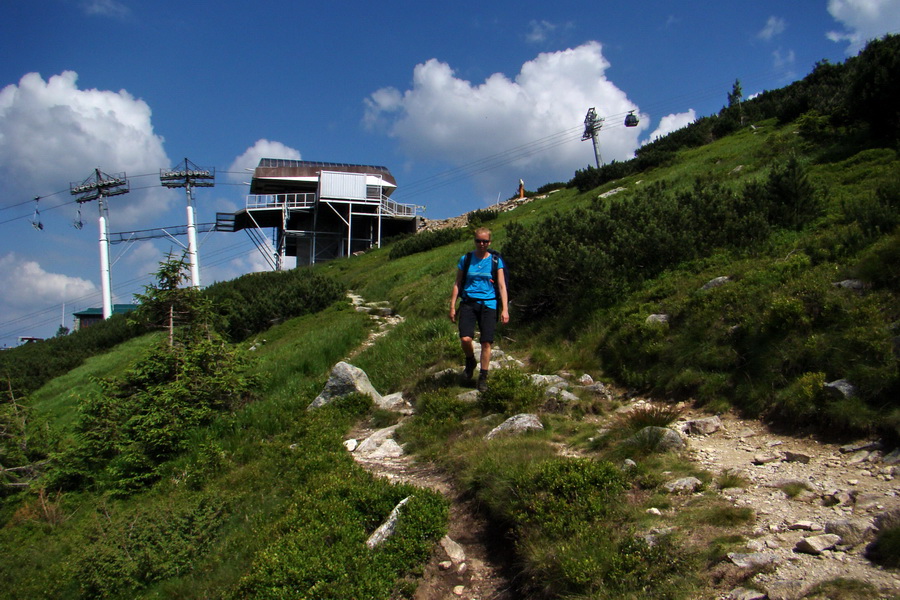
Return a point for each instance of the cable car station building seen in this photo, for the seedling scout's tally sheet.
(319, 210)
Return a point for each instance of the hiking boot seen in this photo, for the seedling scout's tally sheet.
(471, 363)
(482, 381)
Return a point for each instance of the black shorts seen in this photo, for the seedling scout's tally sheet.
(471, 313)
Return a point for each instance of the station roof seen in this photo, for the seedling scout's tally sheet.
(287, 170)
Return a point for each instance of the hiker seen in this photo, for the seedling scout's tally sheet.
(480, 283)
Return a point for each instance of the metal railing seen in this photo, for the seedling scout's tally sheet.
(289, 201)
(308, 200)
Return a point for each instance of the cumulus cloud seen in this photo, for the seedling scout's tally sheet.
(24, 284)
(673, 122)
(863, 20)
(52, 133)
(775, 26)
(246, 162)
(447, 118)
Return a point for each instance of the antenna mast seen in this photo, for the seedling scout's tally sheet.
(96, 187)
(189, 176)
(592, 125)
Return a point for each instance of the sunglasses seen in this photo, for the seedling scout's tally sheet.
(477, 241)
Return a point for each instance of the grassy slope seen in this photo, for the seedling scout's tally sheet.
(245, 497)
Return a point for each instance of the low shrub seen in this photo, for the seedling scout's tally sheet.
(510, 392)
(885, 550)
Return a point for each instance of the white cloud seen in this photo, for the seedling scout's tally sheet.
(447, 118)
(106, 8)
(539, 31)
(863, 20)
(673, 122)
(24, 284)
(52, 134)
(774, 26)
(246, 162)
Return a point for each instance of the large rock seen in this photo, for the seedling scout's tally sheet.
(517, 424)
(685, 485)
(345, 379)
(817, 544)
(387, 528)
(752, 560)
(661, 439)
(852, 531)
(704, 426)
(380, 444)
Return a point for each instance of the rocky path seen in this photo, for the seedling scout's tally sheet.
(465, 566)
(801, 489)
(816, 506)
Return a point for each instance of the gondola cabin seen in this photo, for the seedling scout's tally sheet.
(631, 120)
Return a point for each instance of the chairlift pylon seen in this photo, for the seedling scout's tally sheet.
(36, 217)
(631, 119)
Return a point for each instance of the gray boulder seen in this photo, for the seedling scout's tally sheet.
(852, 531)
(661, 439)
(714, 283)
(817, 544)
(387, 528)
(345, 379)
(685, 485)
(515, 425)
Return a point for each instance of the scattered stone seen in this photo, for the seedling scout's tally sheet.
(548, 380)
(858, 457)
(870, 445)
(764, 459)
(663, 439)
(685, 485)
(805, 526)
(469, 396)
(657, 319)
(628, 464)
(817, 544)
(752, 560)
(445, 565)
(887, 520)
(746, 594)
(351, 445)
(586, 380)
(852, 531)
(386, 529)
(797, 457)
(868, 501)
(459, 590)
(892, 458)
(599, 389)
(345, 379)
(395, 403)
(714, 283)
(371, 447)
(705, 426)
(784, 590)
(454, 551)
(850, 284)
(745, 433)
(515, 425)
(840, 389)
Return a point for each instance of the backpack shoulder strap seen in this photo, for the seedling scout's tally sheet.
(465, 269)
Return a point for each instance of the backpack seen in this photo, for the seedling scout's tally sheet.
(495, 267)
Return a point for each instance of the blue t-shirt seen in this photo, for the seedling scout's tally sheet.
(478, 284)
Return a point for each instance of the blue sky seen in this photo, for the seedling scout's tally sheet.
(458, 102)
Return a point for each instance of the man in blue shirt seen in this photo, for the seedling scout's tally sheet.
(475, 286)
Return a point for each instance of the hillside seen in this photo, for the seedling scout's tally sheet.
(742, 271)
